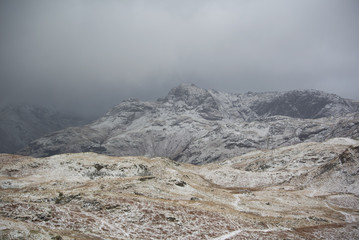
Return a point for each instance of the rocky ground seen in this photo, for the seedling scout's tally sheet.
(306, 191)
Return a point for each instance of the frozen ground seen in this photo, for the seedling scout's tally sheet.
(305, 191)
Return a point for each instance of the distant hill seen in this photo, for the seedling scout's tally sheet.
(21, 124)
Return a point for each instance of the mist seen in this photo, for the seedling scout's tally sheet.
(85, 56)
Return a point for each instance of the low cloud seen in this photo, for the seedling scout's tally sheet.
(87, 56)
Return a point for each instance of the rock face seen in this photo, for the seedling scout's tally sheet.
(21, 124)
(304, 104)
(305, 191)
(198, 126)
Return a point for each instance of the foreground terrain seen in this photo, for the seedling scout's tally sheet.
(305, 191)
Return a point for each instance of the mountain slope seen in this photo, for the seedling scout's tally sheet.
(198, 126)
(304, 191)
(21, 124)
(304, 104)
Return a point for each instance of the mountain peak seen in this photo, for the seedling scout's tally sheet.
(186, 89)
(188, 93)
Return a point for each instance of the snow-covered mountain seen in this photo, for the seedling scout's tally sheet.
(198, 126)
(21, 124)
(305, 191)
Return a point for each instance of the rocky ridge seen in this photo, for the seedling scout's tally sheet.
(304, 191)
(198, 126)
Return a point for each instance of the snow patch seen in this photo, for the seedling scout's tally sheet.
(228, 235)
(342, 141)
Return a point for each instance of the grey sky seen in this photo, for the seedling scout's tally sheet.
(88, 55)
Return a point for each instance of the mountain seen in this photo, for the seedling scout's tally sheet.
(198, 126)
(304, 191)
(21, 124)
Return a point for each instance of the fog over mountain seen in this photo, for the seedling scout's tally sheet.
(21, 124)
(86, 56)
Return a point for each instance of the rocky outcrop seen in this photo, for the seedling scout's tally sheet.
(198, 126)
(331, 167)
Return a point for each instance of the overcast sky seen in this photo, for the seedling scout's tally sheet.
(88, 55)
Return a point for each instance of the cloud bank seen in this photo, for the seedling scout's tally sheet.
(88, 55)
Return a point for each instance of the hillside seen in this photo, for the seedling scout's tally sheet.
(196, 125)
(21, 124)
(304, 191)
